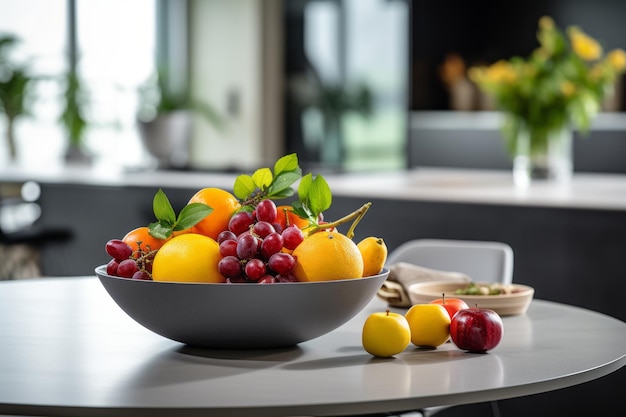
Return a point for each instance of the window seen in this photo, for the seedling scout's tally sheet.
(333, 50)
(115, 53)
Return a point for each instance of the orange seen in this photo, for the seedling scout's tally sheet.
(286, 216)
(189, 257)
(325, 256)
(224, 205)
(374, 252)
(141, 235)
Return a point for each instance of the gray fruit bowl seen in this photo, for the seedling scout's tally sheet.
(241, 316)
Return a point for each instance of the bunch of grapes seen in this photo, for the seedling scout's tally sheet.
(127, 263)
(252, 247)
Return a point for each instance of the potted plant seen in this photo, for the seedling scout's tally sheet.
(14, 83)
(543, 97)
(74, 121)
(165, 120)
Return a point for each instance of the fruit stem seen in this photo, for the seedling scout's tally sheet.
(365, 207)
(357, 215)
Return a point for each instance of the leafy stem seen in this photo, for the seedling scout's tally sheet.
(356, 215)
(314, 197)
(167, 221)
(265, 183)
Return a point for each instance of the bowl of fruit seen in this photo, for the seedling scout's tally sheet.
(241, 271)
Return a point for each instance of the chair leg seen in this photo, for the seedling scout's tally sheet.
(495, 409)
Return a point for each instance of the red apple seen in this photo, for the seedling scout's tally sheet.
(451, 304)
(476, 329)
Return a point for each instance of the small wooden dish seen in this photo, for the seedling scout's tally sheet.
(511, 304)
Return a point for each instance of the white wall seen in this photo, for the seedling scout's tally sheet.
(235, 52)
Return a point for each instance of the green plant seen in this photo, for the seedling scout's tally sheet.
(14, 83)
(156, 98)
(72, 117)
(560, 83)
(336, 100)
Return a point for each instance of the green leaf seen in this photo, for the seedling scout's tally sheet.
(262, 178)
(302, 210)
(282, 182)
(243, 187)
(264, 184)
(303, 188)
(287, 163)
(163, 208)
(319, 195)
(287, 192)
(191, 214)
(160, 230)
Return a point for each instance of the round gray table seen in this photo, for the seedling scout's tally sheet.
(66, 349)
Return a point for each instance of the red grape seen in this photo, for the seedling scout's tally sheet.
(226, 235)
(112, 267)
(286, 278)
(230, 267)
(282, 263)
(278, 227)
(255, 269)
(263, 228)
(292, 237)
(247, 246)
(272, 244)
(228, 248)
(118, 249)
(127, 268)
(142, 275)
(240, 222)
(252, 248)
(266, 211)
(267, 279)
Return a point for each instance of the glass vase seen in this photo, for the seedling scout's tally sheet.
(543, 156)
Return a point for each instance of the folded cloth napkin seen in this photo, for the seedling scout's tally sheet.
(401, 275)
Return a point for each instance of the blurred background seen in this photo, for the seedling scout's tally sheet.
(280, 76)
(349, 85)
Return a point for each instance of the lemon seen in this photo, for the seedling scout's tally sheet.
(189, 257)
(385, 334)
(429, 323)
(374, 252)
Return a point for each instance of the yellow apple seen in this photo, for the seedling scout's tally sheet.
(385, 334)
(429, 323)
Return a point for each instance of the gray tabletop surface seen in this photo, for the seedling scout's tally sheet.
(66, 349)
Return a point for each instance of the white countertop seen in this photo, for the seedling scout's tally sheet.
(586, 191)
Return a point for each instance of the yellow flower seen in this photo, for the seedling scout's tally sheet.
(562, 82)
(502, 72)
(617, 59)
(542, 53)
(477, 74)
(583, 45)
(546, 38)
(596, 72)
(529, 70)
(568, 88)
(546, 23)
